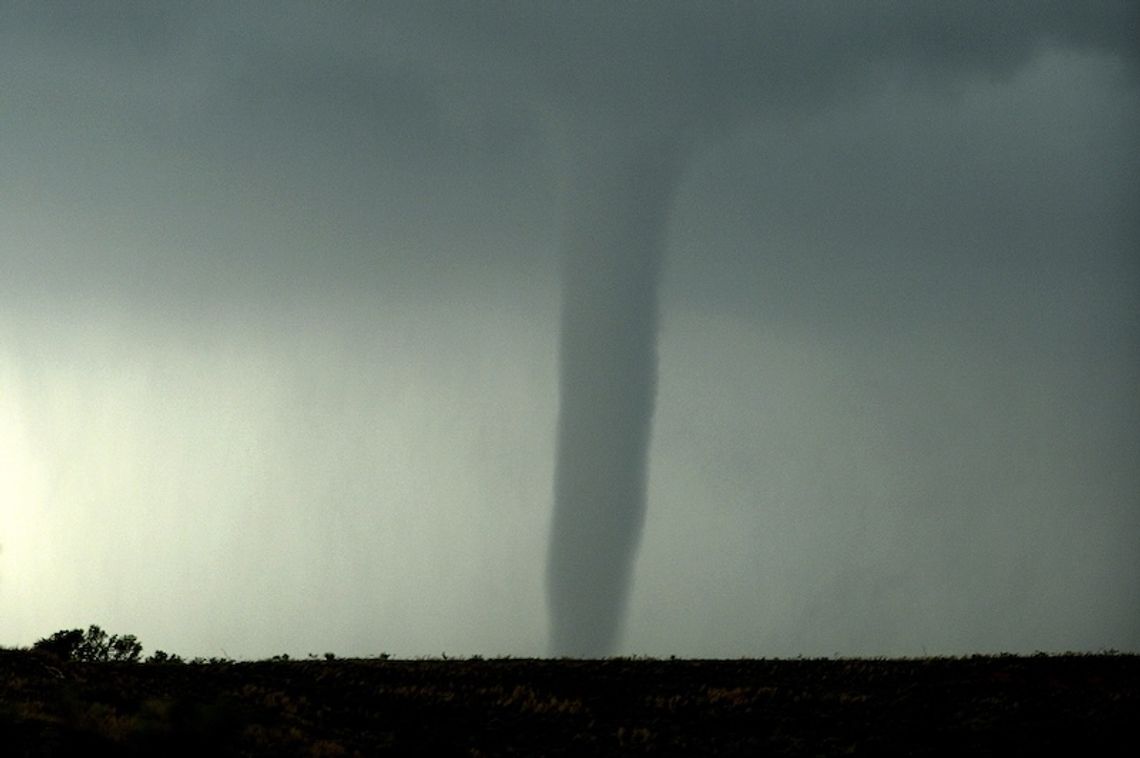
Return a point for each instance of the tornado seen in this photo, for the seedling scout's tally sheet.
(617, 209)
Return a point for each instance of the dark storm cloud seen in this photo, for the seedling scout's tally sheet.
(389, 59)
(916, 204)
(199, 115)
(216, 140)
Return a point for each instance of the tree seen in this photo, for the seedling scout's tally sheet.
(95, 645)
(64, 644)
(92, 646)
(126, 648)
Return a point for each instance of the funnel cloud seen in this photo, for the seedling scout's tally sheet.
(616, 217)
(616, 220)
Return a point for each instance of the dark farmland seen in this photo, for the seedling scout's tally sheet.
(1004, 705)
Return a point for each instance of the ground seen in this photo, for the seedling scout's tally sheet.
(1004, 705)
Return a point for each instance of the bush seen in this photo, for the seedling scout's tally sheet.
(64, 644)
(161, 656)
(92, 646)
(126, 648)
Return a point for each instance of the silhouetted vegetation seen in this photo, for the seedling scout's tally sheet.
(161, 656)
(92, 646)
(1079, 704)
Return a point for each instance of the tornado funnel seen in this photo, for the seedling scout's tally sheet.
(616, 214)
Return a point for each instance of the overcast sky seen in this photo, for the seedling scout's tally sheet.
(279, 302)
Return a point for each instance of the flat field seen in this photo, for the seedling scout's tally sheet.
(1003, 705)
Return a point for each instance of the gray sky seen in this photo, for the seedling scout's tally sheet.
(279, 309)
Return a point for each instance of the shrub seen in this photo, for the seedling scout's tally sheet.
(126, 648)
(92, 646)
(95, 646)
(64, 644)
